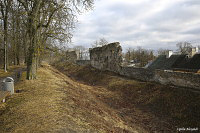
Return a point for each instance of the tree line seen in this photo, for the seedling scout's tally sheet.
(139, 56)
(144, 56)
(31, 28)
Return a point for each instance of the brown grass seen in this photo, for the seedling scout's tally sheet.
(152, 106)
(55, 103)
(10, 70)
(100, 102)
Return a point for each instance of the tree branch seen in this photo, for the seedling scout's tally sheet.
(24, 4)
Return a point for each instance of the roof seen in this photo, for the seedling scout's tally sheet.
(158, 62)
(193, 63)
(174, 61)
(168, 63)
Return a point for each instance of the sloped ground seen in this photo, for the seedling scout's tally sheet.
(11, 70)
(55, 103)
(151, 106)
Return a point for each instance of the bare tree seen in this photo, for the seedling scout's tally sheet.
(162, 51)
(140, 56)
(29, 27)
(128, 54)
(5, 8)
(184, 47)
(99, 43)
(50, 19)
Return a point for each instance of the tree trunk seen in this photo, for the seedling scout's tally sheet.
(5, 55)
(31, 60)
(18, 40)
(31, 65)
(18, 60)
(32, 31)
(5, 42)
(13, 41)
(25, 47)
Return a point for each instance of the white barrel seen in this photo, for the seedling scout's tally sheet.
(8, 85)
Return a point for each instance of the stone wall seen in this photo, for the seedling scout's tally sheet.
(182, 79)
(83, 62)
(71, 56)
(108, 57)
(166, 77)
(137, 73)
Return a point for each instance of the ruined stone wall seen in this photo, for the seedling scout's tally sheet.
(182, 79)
(108, 57)
(83, 62)
(71, 56)
(137, 73)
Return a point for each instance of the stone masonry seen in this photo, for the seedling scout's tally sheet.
(71, 56)
(108, 57)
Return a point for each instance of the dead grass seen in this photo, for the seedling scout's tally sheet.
(10, 70)
(55, 103)
(151, 106)
(100, 102)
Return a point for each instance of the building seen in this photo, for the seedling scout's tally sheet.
(169, 53)
(193, 51)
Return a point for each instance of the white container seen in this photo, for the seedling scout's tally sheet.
(8, 85)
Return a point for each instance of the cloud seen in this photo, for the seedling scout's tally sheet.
(148, 23)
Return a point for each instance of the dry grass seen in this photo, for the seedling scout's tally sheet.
(151, 106)
(55, 103)
(100, 102)
(10, 70)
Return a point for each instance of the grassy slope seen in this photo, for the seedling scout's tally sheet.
(55, 103)
(153, 106)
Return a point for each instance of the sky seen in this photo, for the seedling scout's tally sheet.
(150, 24)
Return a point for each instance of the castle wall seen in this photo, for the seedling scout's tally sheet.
(71, 56)
(108, 57)
(182, 79)
(83, 62)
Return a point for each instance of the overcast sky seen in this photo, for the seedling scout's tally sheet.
(151, 24)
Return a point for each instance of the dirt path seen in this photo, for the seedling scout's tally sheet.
(55, 103)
